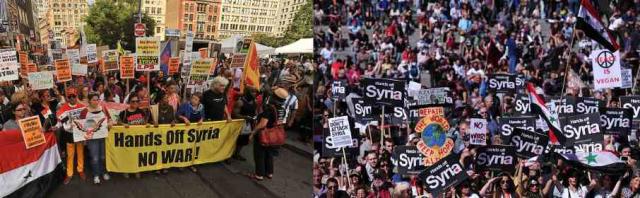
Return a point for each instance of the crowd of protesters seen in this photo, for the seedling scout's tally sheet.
(285, 82)
(457, 44)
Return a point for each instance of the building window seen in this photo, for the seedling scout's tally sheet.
(186, 17)
(200, 27)
(190, 27)
(202, 8)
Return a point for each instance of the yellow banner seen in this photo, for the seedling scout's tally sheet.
(137, 148)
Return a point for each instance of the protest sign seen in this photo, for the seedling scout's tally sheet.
(522, 104)
(583, 132)
(89, 128)
(79, 70)
(57, 54)
(41, 80)
(502, 83)
(363, 111)
(246, 43)
(174, 64)
(8, 66)
(413, 88)
(31, 131)
(616, 121)
(507, 125)
(384, 91)
(433, 96)
(114, 109)
(92, 53)
(200, 69)
(110, 58)
(63, 70)
(238, 60)
(529, 144)
(31, 67)
(564, 106)
(186, 58)
(606, 69)
(23, 57)
(520, 81)
(74, 56)
(126, 67)
(330, 150)
(138, 149)
(430, 111)
(587, 105)
(340, 131)
(633, 103)
(496, 158)
(442, 175)
(408, 160)
(434, 144)
(338, 89)
(626, 77)
(478, 131)
(397, 116)
(147, 54)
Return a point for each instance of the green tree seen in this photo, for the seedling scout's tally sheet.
(111, 20)
(301, 27)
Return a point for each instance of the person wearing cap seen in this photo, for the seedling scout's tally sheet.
(215, 100)
(271, 116)
(66, 113)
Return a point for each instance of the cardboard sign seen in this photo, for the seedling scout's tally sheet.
(583, 132)
(478, 131)
(496, 158)
(617, 121)
(8, 66)
(502, 83)
(442, 175)
(74, 56)
(238, 60)
(633, 103)
(32, 133)
(174, 64)
(79, 70)
(200, 69)
(338, 89)
(63, 70)
(606, 69)
(126, 67)
(148, 54)
(340, 131)
(363, 111)
(408, 160)
(433, 96)
(529, 144)
(92, 53)
(41, 80)
(110, 60)
(587, 105)
(507, 126)
(384, 91)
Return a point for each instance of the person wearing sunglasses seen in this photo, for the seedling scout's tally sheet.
(133, 116)
(68, 112)
(506, 187)
(333, 191)
(18, 113)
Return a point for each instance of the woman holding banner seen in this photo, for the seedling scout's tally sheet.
(192, 111)
(96, 147)
(134, 116)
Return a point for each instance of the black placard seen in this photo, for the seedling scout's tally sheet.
(397, 116)
(338, 89)
(583, 132)
(408, 160)
(443, 174)
(522, 104)
(529, 144)
(633, 103)
(496, 158)
(616, 121)
(362, 110)
(586, 105)
(502, 83)
(384, 91)
(507, 126)
(565, 106)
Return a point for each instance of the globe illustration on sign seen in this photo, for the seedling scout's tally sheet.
(434, 135)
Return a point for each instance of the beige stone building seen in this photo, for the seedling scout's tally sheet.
(66, 17)
(156, 9)
(240, 17)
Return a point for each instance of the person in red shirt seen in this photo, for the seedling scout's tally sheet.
(335, 68)
(68, 112)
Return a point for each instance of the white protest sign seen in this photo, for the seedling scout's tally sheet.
(606, 69)
(413, 88)
(477, 131)
(340, 131)
(79, 69)
(41, 80)
(627, 78)
(8, 66)
(89, 128)
(74, 56)
(92, 53)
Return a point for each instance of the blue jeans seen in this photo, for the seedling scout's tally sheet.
(96, 150)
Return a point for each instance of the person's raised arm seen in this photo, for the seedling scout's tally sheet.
(548, 186)
(484, 191)
(617, 188)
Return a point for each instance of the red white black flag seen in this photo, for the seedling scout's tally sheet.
(589, 22)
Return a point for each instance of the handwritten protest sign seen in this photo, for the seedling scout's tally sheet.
(92, 53)
(63, 70)
(8, 66)
(174, 64)
(126, 67)
(148, 54)
(41, 80)
(79, 70)
(110, 58)
(31, 131)
(478, 131)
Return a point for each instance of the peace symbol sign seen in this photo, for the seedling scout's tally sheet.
(605, 59)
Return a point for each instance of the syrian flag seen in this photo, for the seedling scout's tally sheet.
(31, 172)
(604, 161)
(555, 132)
(589, 22)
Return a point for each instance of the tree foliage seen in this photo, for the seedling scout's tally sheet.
(111, 20)
(301, 27)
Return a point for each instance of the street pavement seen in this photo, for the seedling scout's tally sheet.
(292, 178)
